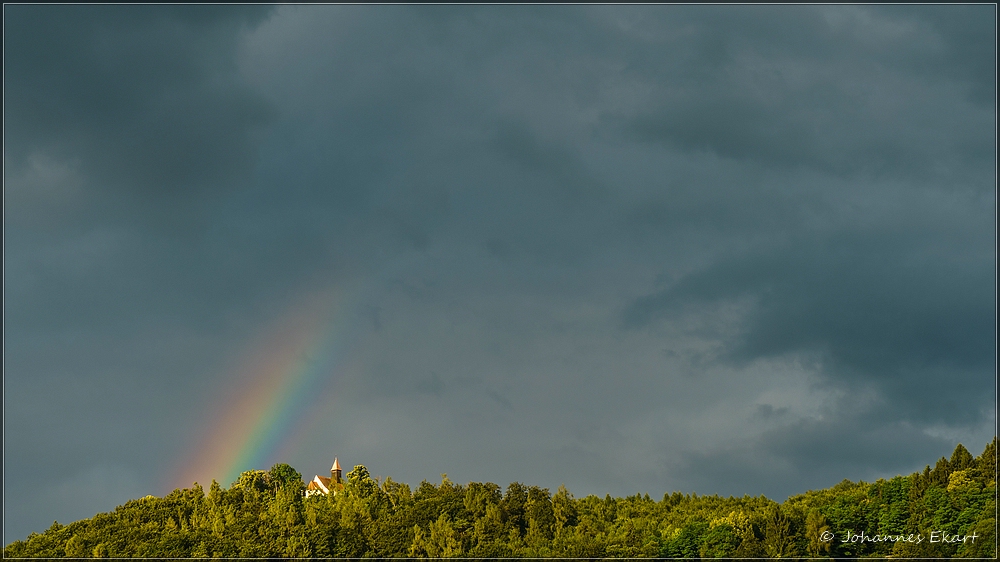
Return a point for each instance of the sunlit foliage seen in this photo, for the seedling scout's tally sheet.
(264, 514)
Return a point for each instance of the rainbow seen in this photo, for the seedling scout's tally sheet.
(273, 394)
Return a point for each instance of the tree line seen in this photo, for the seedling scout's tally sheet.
(265, 514)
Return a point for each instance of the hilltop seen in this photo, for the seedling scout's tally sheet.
(944, 511)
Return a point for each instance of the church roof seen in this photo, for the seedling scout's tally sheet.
(320, 483)
(336, 465)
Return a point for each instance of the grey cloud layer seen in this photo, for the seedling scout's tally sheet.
(147, 100)
(672, 240)
(844, 100)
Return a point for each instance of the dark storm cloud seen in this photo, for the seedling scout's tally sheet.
(812, 454)
(781, 206)
(909, 310)
(121, 125)
(442, 163)
(146, 111)
(857, 94)
(966, 52)
(906, 300)
(147, 99)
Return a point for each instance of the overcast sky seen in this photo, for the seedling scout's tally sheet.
(715, 249)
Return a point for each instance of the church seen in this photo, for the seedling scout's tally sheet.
(323, 485)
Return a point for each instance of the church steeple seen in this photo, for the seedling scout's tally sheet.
(335, 471)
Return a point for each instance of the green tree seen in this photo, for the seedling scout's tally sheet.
(540, 518)
(253, 481)
(719, 542)
(282, 475)
(479, 496)
(563, 509)
(986, 463)
(984, 544)
(961, 459)
(443, 541)
(418, 548)
(513, 505)
(685, 542)
(360, 482)
(76, 547)
(817, 529)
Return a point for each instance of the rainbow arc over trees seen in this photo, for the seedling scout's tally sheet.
(273, 391)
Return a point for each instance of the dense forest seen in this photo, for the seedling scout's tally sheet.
(934, 513)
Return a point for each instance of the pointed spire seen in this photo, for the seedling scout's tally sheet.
(335, 471)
